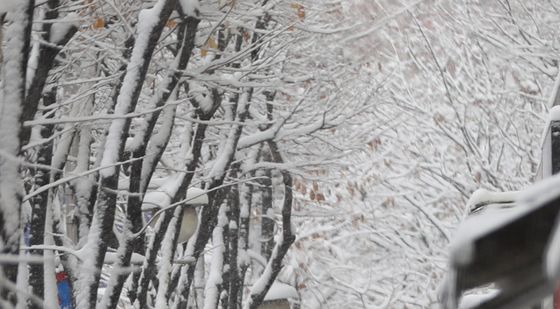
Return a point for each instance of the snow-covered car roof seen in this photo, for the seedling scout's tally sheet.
(506, 241)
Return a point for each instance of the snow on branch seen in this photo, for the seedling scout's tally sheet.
(150, 22)
(283, 242)
(64, 28)
(190, 8)
(14, 68)
(149, 28)
(215, 280)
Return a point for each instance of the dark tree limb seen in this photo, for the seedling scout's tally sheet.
(40, 202)
(126, 103)
(14, 69)
(140, 172)
(45, 62)
(274, 266)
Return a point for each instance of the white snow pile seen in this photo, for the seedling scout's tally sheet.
(490, 211)
(161, 197)
(482, 198)
(476, 226)
(496, 216)
(9, 5)
(554, 113)
(190, 7)
(196, 196)
(473, 300)
(62, 27)
(280, 290)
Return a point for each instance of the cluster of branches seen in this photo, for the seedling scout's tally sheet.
(461, 95)
(105, 102)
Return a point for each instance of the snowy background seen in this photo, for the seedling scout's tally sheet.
(324, 150)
